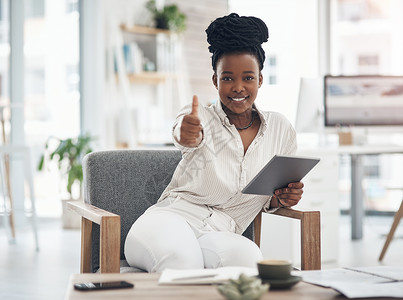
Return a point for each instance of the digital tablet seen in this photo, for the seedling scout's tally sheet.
(278, 173)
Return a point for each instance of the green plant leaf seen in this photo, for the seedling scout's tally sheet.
(68, 154)
(75, 174)
(169, 17)
(41, 162)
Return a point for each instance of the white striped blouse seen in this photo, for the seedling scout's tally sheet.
(215, 172)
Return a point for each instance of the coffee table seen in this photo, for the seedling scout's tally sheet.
(146, 287)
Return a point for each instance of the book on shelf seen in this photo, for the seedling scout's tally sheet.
(133, 58)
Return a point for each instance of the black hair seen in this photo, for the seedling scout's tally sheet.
(232, 34)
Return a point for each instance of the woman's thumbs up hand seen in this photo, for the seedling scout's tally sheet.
(191, 129)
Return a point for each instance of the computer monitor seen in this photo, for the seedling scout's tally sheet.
(309, 117)
(363, 100)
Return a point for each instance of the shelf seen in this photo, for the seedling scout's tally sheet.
(147, 77)
(144, 30)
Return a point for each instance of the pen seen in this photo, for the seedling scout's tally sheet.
(190, 277)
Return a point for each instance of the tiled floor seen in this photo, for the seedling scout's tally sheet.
(27, 274)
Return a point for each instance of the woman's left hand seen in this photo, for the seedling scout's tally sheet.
(290, 195)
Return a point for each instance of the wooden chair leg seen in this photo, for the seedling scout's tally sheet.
(109, 255)
(396, 220)
(86, 244)
(257, 228)
(310, 241)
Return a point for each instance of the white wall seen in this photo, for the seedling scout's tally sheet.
(102, 114)
(293, 39)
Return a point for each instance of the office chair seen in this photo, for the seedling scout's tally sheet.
(119, 185)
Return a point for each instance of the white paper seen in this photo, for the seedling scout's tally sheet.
(378, 281)
(395, 272)
(365, 290)
(327, 278)
(204, 276)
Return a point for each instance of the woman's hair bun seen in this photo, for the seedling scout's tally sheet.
(232, 32)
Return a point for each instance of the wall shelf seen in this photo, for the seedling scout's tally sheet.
(152, 78)
(147, 77)
(144, 30)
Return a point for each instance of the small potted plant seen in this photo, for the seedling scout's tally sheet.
(68, 154)
(169, 17)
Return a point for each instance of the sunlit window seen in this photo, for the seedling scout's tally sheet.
(35, 9)
(366, 37)
(52, 98)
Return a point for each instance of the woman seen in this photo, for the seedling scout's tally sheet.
(199, 218)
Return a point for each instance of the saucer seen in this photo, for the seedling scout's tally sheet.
(282, 283)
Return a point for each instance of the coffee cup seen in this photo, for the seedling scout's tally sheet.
(274, 269)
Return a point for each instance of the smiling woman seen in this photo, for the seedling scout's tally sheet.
(202, 213)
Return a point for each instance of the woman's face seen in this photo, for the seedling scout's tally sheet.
(237, 79)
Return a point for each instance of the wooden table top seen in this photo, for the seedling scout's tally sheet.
(146, 287)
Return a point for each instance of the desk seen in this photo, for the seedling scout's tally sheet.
(146, 287)
(356, 152)
(357, 200)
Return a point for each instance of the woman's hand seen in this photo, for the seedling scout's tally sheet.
(191, 131)
(289, 196)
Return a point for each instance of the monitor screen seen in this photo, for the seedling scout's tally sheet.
(363, 100)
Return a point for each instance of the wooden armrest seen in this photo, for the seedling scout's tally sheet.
(109, 253)
(310, 235)
(90, 212)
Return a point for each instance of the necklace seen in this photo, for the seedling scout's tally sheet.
(249, 125)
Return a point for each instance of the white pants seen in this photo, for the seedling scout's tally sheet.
(181, 235)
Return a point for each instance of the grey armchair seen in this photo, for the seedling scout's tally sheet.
(119, 185)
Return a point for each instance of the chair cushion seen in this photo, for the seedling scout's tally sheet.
(126, 182)
(125, 268)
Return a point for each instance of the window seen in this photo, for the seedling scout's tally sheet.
(366, 37)
(4, 51)
(72, 78)
(271, 69)
(71, 6)
(356, 10)
(52, 97)
(2, 10)
(35, 81)
(34, 8)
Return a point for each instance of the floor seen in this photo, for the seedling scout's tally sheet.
(27, 274)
